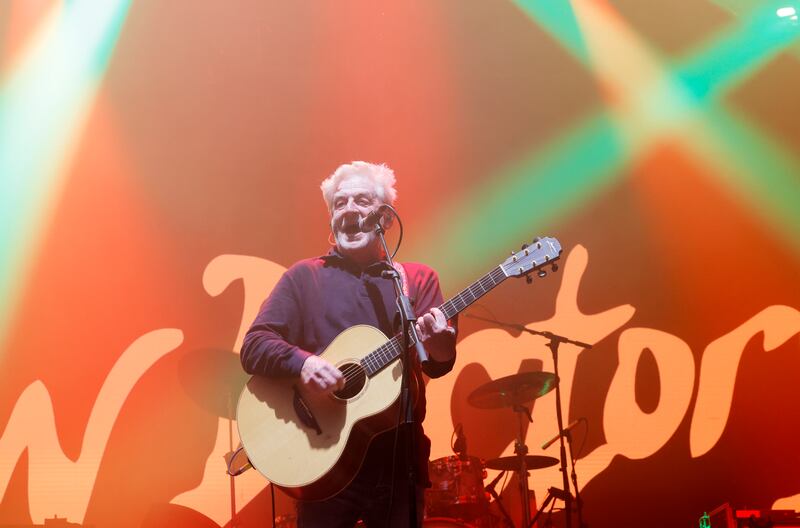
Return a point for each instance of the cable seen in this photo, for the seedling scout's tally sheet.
(504, 483)
(400, 223)
(585, 437)
(272, 494)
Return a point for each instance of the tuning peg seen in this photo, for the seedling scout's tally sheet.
(535, 240)
(554, 267)
(541, 273)
(524, 246)
(528, 279)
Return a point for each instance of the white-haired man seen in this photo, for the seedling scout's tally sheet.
(318, 298)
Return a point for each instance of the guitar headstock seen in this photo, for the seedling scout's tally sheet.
(540, 253)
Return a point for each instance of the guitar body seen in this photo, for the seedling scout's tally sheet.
(312, 445)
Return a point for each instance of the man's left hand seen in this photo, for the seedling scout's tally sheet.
(433, 323)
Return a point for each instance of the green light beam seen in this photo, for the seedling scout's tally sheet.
(43, 104)
(558, 19)
(730, 58)
(496, 217)
(763, 175)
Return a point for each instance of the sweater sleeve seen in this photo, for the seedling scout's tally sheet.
(268, 348)
(428, 294)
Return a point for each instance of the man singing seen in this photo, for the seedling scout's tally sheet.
(318, 298)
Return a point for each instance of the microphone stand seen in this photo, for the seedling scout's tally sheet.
(407, 318)
(554, 340)
(574, 477)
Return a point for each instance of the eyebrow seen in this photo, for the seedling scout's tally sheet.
(338, 195)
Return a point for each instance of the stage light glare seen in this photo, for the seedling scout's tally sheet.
(787, 12)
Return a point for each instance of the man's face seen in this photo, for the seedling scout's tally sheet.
(354, 199)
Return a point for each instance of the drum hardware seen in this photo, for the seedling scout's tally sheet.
(516, 397)
(514, 391)
(490, 489)
(456, 488)
(457, 496)
(521, 452)
(459, 446)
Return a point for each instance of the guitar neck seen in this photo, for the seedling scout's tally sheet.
(475, 291)
(376, 360)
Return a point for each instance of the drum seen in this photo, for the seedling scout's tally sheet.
(444, 522)
(286, 521)
(456, 489)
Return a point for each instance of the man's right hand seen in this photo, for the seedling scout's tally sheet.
(321, 376)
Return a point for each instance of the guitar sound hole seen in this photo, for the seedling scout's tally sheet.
(354, 377)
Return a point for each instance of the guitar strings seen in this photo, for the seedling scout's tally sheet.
(359, 369)
(355, 372)
(355, 367)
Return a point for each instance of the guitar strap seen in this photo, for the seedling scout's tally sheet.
(403, 277)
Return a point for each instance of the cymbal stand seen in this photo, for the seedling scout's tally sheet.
(521, 450)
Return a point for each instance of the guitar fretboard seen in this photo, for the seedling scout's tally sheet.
(376, 360)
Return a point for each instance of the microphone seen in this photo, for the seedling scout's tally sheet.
(460, 445)
(369, 222)
(567, 429)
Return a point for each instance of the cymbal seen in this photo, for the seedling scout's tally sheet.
(511, 463)
(512, 390)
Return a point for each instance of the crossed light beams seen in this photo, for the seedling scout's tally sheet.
(647, 102)
(763, 174)
(689, 102)
(44, 102)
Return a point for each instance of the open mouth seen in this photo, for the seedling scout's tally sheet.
(350, 229)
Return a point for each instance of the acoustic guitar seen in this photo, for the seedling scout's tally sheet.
(312, 445)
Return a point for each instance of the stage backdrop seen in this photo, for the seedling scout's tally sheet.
(160, 166)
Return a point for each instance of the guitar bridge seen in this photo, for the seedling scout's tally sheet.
(303, 412)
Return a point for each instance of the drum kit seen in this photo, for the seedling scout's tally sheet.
(458, 496)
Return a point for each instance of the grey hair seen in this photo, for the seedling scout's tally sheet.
(380, 175)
